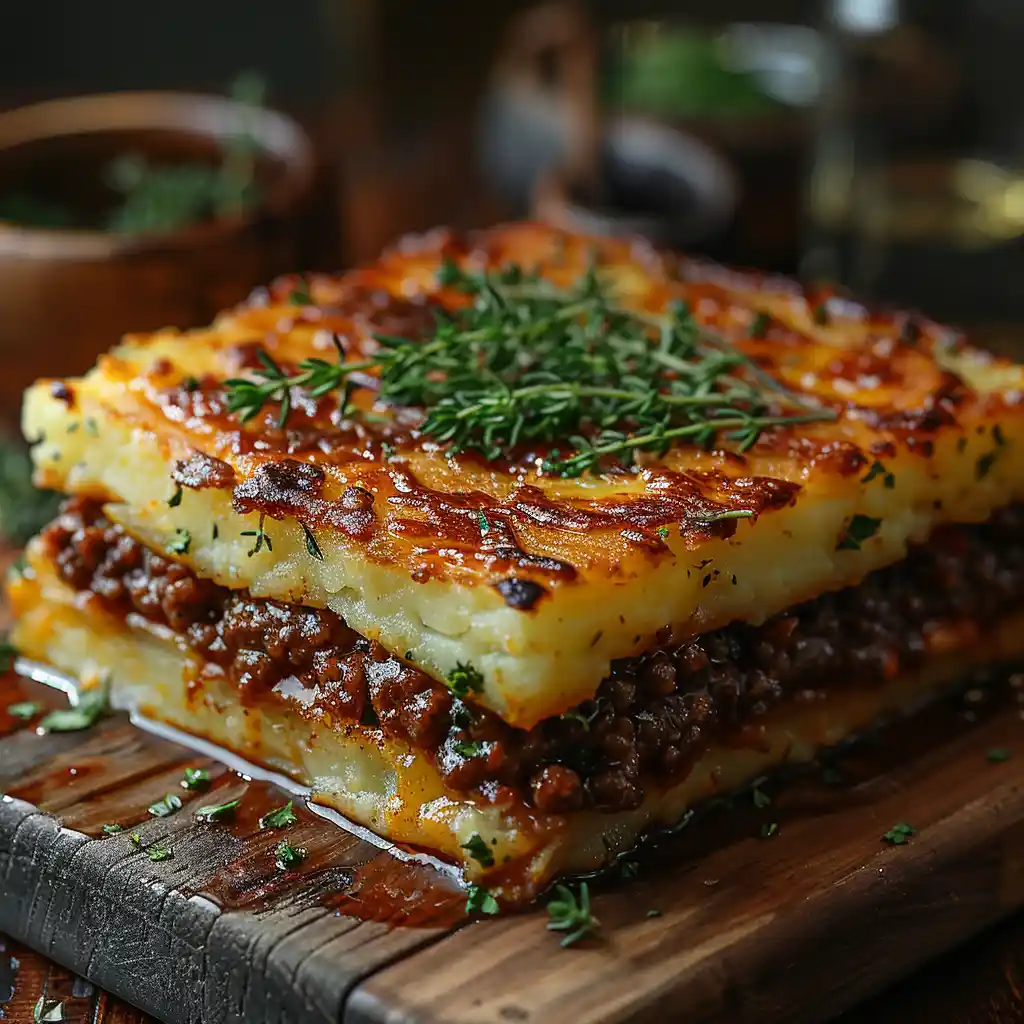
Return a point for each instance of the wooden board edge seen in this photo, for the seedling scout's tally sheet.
(910, 905)
(93, 910)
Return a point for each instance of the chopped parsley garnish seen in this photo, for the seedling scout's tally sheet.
(299, 295)
(190, 383)
(470, 748)
(878, 469)
(112, 830)
(571, 914)
(465, 679)
(288, 857)
(280, 817)
(577, 716)
(760, 798)
(135, 838)
(47, 1011)
(760, 324)
(998, 436)
(90, 708)
(215, 532)
(23, 709)
(821, 315)
(628, 869)
(858, 529)
(24, 509)
(92, 427)
(158, 852)
(462, 716)
(592, 375)
(311, 545)
(262, 538)
(168, 805)
(196, 779)
(480, 901)
(984, 464)
(478, 849)
(997, 755)
(654, 913)
(175, 499)
(218, 812)
(180, 542)
(8, 652)
(663, 532)
(485, 526)
(899, 833)
(769, 829)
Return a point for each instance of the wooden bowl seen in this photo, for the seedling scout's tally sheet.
(66, 295)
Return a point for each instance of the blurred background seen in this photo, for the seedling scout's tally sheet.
(877, 143)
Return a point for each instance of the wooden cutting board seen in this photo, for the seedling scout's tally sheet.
(718, 924)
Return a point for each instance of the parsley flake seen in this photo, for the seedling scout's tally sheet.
(899, 833)
(8, 652)
(571, 914)
(470, 748)
(135, 838)
(112, 830)
(299, 295)
(576, 715)
(165, 807)
(180, 542)
(90, 708)
(262, 538)
(478, 849)
(190, 383)
(769, 829)
(858, 529)
(997, 755)
(23, 709)
(480, 901)
(984, 464)
(196, 779)
(760, 798)
(280, 817)
(218, 812)
(663, 532)
(288, 857)
(47, 1011)
(654, 913)
(760, 324)
(175, 499)
(485, 526)
(311, 545)
(878, 469)
(464, 679)
(157, 852)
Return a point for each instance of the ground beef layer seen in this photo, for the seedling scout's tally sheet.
(651, 717)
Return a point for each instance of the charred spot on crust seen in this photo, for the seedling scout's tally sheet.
(200, 471)
(520, 594)
(525, 560)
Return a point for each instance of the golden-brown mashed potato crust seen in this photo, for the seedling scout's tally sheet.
(593, 575)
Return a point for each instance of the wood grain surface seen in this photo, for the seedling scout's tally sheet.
(790, 928)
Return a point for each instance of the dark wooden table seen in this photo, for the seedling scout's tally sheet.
(980, 984)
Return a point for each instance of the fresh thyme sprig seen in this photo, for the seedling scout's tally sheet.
(525, 362)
